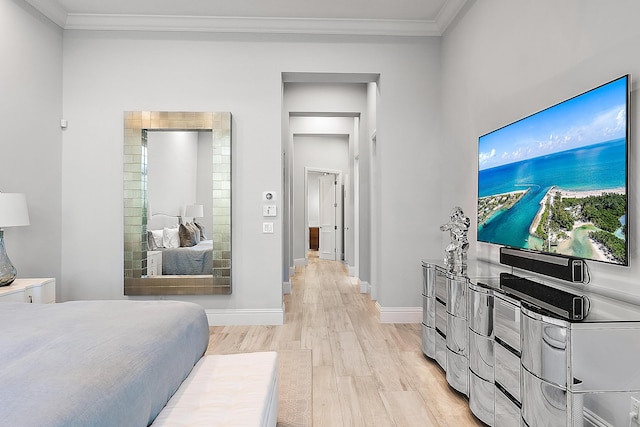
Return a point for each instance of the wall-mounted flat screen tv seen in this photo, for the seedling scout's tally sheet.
(556, 181)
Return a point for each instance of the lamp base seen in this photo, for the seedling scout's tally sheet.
(8, 272)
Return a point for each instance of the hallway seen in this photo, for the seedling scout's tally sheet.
(363, 373)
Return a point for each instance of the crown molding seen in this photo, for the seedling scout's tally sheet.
(448, 13)
(219, 24)
(52, 10)
(215, 24)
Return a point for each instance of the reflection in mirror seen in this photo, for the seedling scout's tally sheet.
(179, 171)
(177, 180)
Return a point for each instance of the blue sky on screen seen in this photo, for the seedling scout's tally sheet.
(590, 118)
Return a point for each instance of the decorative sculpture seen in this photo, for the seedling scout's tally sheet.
(455, 259)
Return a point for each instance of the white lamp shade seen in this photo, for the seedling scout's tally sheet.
(13, 210)
(194, 211)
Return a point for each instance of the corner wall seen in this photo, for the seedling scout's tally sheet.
(30, 136)
(504, 60)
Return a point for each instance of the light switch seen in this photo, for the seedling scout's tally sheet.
(269, 210)
(267, 227)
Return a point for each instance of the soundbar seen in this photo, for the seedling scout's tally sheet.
(561, 303)
(558, 266)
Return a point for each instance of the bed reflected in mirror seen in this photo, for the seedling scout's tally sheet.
(177, 182)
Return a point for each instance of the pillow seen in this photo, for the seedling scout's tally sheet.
(170, 238)
(196, 231)
(154, 239)
(201, 229)
(187, 236)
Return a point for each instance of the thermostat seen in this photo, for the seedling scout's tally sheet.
(269, 196)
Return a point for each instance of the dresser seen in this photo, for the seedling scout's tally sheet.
(531, 366)
(37, 291)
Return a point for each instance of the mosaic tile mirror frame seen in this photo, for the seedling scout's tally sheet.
(137, 280)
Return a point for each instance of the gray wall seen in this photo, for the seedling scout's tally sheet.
(106, 73)
(30, 136)
(505, 60)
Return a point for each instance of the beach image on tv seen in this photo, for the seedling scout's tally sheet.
(556, 181)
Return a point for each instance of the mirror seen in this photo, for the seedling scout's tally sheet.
(145, 254)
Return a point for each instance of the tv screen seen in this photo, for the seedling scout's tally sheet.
(556, 181)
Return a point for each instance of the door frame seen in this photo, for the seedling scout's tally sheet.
(339, 199)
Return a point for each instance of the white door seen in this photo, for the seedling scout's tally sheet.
(328, 215)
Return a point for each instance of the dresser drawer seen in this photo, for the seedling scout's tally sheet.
(441, 350)
(481, 356)
(458, 371)
(429, 311)
(507, 412)
(457, 334)
(441, 285)
(543, 404)
(544, 347)
(481, 398)
(428, 280)
(457, 295)
(480, 302)
(428, 343)
(507, 370)
(506, 321)
(441, 317)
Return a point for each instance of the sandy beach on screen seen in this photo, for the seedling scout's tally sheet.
(583, 194)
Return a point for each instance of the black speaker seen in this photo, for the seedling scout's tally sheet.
(558, 266)
(564, 304)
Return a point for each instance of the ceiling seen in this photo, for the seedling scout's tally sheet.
(343, 17)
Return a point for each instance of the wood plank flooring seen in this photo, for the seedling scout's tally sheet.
(364, 373)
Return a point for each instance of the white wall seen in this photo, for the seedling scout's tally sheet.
(504, 60)
(106, 73)
(30, 135)
(172, 168)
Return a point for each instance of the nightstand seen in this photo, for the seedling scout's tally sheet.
(38, 291)
(154, 263)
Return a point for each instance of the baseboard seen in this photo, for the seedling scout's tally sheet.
(299, 262)
(365, 288)
(286, 288)
(399, 314)
(227, 317)
(352, 270)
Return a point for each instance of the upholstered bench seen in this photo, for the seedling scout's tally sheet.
(226, 390)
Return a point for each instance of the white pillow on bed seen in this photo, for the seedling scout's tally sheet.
(170, 238)
(157, 236)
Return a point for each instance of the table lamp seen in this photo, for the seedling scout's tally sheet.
(13, 213)
(194, 211)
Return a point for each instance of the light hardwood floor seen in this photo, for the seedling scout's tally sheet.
(364, 373)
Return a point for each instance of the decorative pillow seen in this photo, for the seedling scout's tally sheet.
(170, 238)
(196, 230)
(201, 228)
(155, 238)
(151, 244)
(187, 236)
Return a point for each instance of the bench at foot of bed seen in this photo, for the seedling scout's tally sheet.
(226, 390)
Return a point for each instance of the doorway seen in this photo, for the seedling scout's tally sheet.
(324, 194)
(316, 107)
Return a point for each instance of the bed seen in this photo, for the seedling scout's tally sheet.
(95, 363)
(196, 259)
(178, 257)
